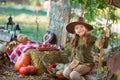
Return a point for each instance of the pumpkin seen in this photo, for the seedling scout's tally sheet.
(27, 70)
(32, 69)
(22, 38)
(23, 70)
(23, 60)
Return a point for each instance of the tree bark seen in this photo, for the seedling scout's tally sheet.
(59, 18)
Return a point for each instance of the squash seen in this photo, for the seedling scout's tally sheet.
(23, 60)
(22, 38)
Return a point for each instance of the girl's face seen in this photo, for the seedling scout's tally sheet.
(80, 30)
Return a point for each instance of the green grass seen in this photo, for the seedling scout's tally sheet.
(26, 19)
(30, 30)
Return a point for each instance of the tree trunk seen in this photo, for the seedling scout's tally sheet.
(59, 18)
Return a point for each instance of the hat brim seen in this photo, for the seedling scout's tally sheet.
(70, 27)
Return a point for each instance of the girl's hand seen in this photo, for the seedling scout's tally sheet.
(106, 31)
(73, 64)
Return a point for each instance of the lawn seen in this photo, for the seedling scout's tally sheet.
(26, 18)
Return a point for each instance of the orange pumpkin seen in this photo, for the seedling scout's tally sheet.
(24, 70)
(28, 70)
(32, 69)
(23, 60)
(22, 38)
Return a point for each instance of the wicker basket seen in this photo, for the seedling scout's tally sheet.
(52, 73)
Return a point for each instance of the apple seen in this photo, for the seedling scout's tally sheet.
(54, 65)
(40, 45)
(51, 66)
(45, 44)
(52, 46)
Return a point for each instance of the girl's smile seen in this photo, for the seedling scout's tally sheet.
(80, 30)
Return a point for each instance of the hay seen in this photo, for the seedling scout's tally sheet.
(56, 57)
(48, 56)
(36, 57)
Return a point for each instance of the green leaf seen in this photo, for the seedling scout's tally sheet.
(70, 2)
(76, 2)
(81, 1)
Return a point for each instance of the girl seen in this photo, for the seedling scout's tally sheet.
(82, 44)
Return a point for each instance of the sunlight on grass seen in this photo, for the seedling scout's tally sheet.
(30, 30)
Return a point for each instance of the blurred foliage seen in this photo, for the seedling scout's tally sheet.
(96, 13)
(118, 74)
(25, 2)
(94, 8)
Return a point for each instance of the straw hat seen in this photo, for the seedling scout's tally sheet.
(78, 20)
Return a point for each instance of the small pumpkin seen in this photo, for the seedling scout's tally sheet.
(23, 60)
(22, 38)
(27, 70)
(32, 69)
(23, 70)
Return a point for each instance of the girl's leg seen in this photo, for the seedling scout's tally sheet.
(67, 72)
(74, 75)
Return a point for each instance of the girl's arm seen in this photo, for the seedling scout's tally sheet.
(102, 42)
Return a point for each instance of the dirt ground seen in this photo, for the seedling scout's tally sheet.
(8, 73)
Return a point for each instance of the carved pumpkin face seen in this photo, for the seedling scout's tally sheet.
(23, 60)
